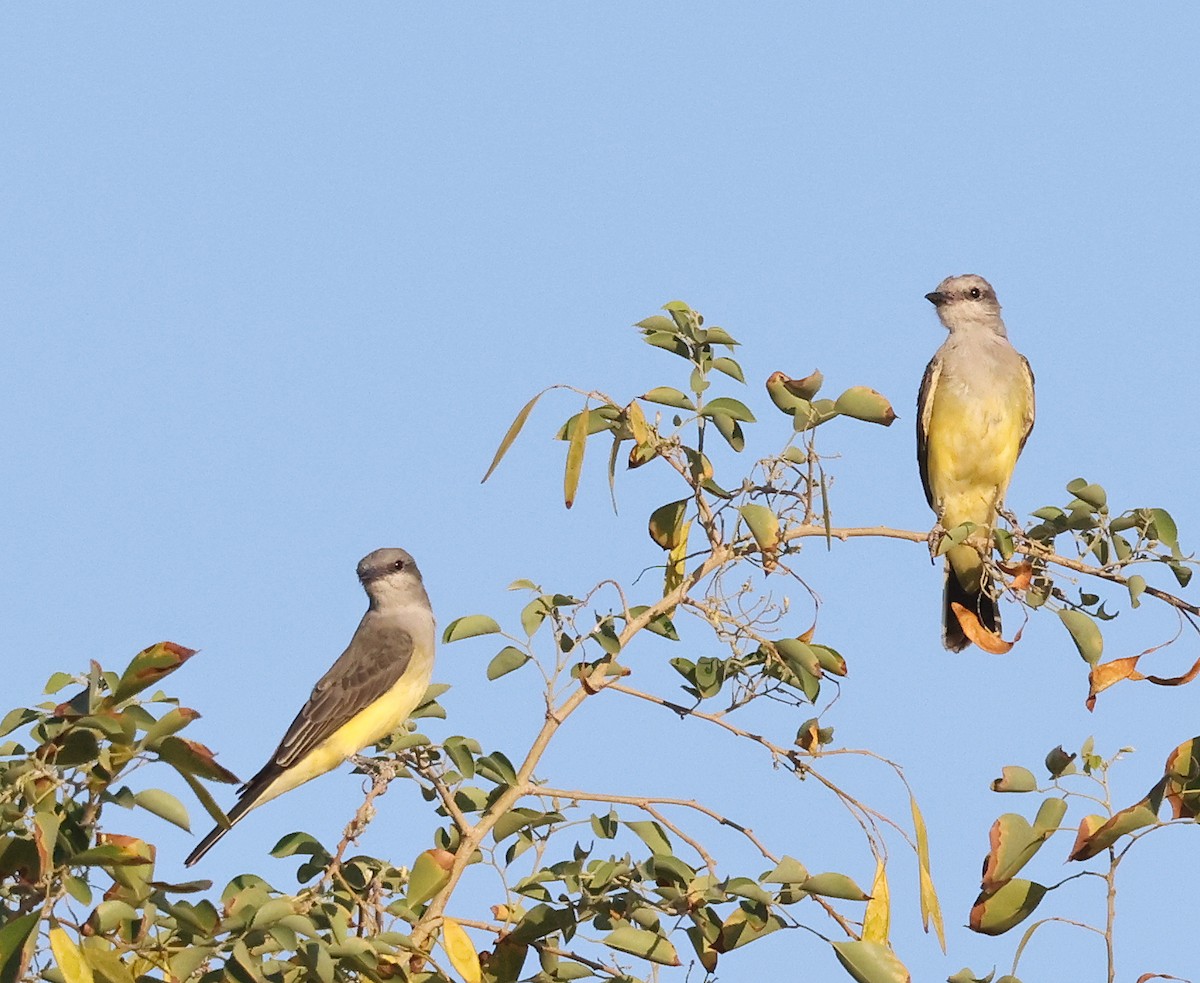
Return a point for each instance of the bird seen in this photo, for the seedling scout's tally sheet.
(366, 694)
(975, 411)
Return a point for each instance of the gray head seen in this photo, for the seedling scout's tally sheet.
(390, 576)
(966, 301)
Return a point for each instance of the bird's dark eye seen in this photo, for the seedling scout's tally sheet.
(975, 293)
(398, 565)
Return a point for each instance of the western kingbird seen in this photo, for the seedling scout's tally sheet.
(369, 692)
(974, 414)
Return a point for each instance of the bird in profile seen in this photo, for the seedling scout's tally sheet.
(368, 692)
(974, 413)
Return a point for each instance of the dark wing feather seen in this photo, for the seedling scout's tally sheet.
(372, 663)
(1032, 414)
(924, 407)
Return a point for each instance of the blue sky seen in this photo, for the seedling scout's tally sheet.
(275, 278)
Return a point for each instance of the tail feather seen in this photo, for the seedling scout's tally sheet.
(978, 601)
(249, 797)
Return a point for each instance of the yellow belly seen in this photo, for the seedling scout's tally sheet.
(972, 446)
(369, 725)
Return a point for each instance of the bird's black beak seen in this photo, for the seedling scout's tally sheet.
(937, 298)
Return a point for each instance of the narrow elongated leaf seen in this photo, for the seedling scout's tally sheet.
(931, 907)
(574, 466)
(511, 435)
(667, 396)
(877, 919)
(833, 885)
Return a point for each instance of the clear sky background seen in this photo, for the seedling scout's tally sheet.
(274, 278)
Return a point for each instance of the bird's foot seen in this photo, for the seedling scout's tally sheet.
(934, 540)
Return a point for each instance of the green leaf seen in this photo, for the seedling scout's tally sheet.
(468, 627)
(506, 660)
(808, 416)
(148, 667)
(1093, 495)
(863, 403)
(540, 921)
(666, 523)
(574, 466)
(511, 435)
(1084, 633)
(724, 406)
(16, 718)
(731, 430)
(651, 833)
(931, 907)
(763, 523)
(429, 873)
(171, 722)
(666, 396)
(12, 944)
(870, 962)
(798, 656)
(995, 914)
(788, 871)
(833, 885)
(1014, 778)
(729, 367)
(165, 806)
(1136, 585)
(719, 336)
(496, 768)
(639, 942)
(1164, 529)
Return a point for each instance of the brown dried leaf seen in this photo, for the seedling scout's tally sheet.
(975, 632)
(1107, 674)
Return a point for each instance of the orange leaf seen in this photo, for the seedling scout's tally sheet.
(1106, 674)
(975, 631)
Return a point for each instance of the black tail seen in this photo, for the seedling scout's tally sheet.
(978, 601)
(248, 796)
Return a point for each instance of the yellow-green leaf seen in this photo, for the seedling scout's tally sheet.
(68, 957)
(165, 806)
(461, 952)
(1084, 633)
(667, 396)
(574, 466)
(931, 908)
(639, 942)
(511, 434)
(870, 962)
(763, 523)
(877, 919)
(468, 627)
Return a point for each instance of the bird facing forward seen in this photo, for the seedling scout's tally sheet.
(974, 413)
